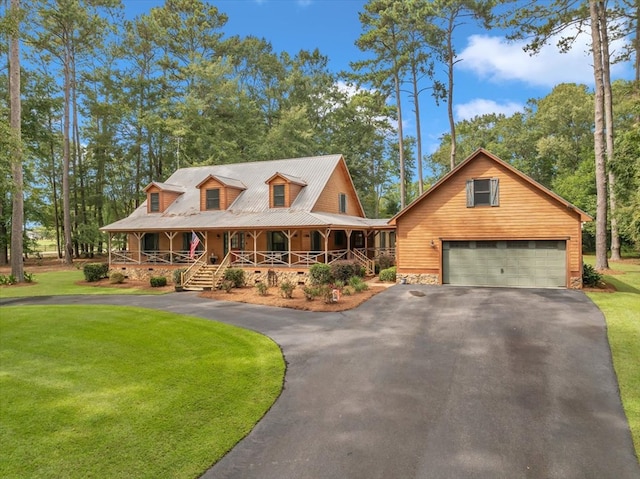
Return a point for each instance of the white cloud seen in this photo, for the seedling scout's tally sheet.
(499, 60)
(481, 106)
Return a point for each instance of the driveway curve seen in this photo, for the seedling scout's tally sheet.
(429, 382)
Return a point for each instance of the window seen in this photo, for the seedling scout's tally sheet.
(213, 199)
(383, 239)
(358, 239)
(277, 241)
(151, 241)
(340, 238)
(278, 196)
(342, 203)
(154, 200)
(316, 241)
(482, 192)
(237, 241)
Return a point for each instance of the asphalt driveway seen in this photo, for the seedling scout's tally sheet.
(431, 382)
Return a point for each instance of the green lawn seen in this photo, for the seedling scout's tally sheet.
(622, 313)
(57, 283)
(114, 392)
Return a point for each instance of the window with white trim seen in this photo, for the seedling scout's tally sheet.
(213, 199)
(483, 192)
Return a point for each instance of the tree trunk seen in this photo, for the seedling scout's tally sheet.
(17, 218)
(609, 128)
(4, 248)
(403, 193)
(450, 64)
(416, 103)
(66, 160)
(599, 140)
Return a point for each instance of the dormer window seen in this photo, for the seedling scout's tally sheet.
(218, 192)
(213, 199)
(154, 202)
(284, 189)
(278, 196)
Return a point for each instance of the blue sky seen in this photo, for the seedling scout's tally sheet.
(493, 76)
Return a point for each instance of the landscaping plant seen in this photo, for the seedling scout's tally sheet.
(236, 276)
(286, 289)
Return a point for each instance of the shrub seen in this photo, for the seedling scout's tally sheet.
(590, 277)
(320, 273)
(158, 281)
(286, 289)
(116, 278)
(311, 292)
(262, 288)
(177, 276)
(358, 284)
(385, 261)
(326, 293)
(338, 284)
(28, 277)
(347, 291)
(388, 275)
(343, 270)
(235, 275)
(227, 285)
(9, 279)
(95, 271)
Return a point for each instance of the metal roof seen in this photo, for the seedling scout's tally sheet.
(251, 207)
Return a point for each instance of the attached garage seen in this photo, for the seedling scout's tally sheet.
(534, 264)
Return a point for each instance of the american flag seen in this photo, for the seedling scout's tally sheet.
(195, 241)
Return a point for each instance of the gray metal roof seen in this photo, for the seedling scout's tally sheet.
(166, 187)
(251, 207)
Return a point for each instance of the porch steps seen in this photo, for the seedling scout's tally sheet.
(205, 277)
(368, 264)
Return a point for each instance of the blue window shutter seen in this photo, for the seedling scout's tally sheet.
(495, 192)
(469, 193)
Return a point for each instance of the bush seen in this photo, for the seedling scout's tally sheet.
(116, 278)
(358, 284)
(227, 285)
(385, 261)
(262, 288)
(343, 270)
(236, 276)
(177, 276)
(286, 289)
(158, 281)
(320, 273)
(388, 275)
(9, 279)
(95, 271)
(590, 277)
(326, 293)
(28, 277)
(311, 292)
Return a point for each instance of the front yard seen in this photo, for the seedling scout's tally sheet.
(127, 392)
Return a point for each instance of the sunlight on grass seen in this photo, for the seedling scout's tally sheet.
(127, 392)
(622, 313)
(57, 283)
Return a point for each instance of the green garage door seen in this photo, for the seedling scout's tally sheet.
(538, 264)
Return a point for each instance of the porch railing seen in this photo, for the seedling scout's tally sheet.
(193, 269)
(152, 257)
(286, 258)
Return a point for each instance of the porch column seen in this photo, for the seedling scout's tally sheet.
(289, 247)
(348, 233)
(255, 235)
(139, 236)
(326, 245)
(109, 246)
(171, 235)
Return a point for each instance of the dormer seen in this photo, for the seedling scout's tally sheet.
(218, 192)
(161, 195)
(283, 190)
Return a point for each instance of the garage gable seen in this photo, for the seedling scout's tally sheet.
(496, 211)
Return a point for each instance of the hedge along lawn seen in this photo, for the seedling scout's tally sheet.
(57, 283)
(119, 392)
(622, 312)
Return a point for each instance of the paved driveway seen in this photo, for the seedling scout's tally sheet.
(433, 382)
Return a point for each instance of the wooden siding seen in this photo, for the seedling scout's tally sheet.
(525, 212)
(329, 201)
